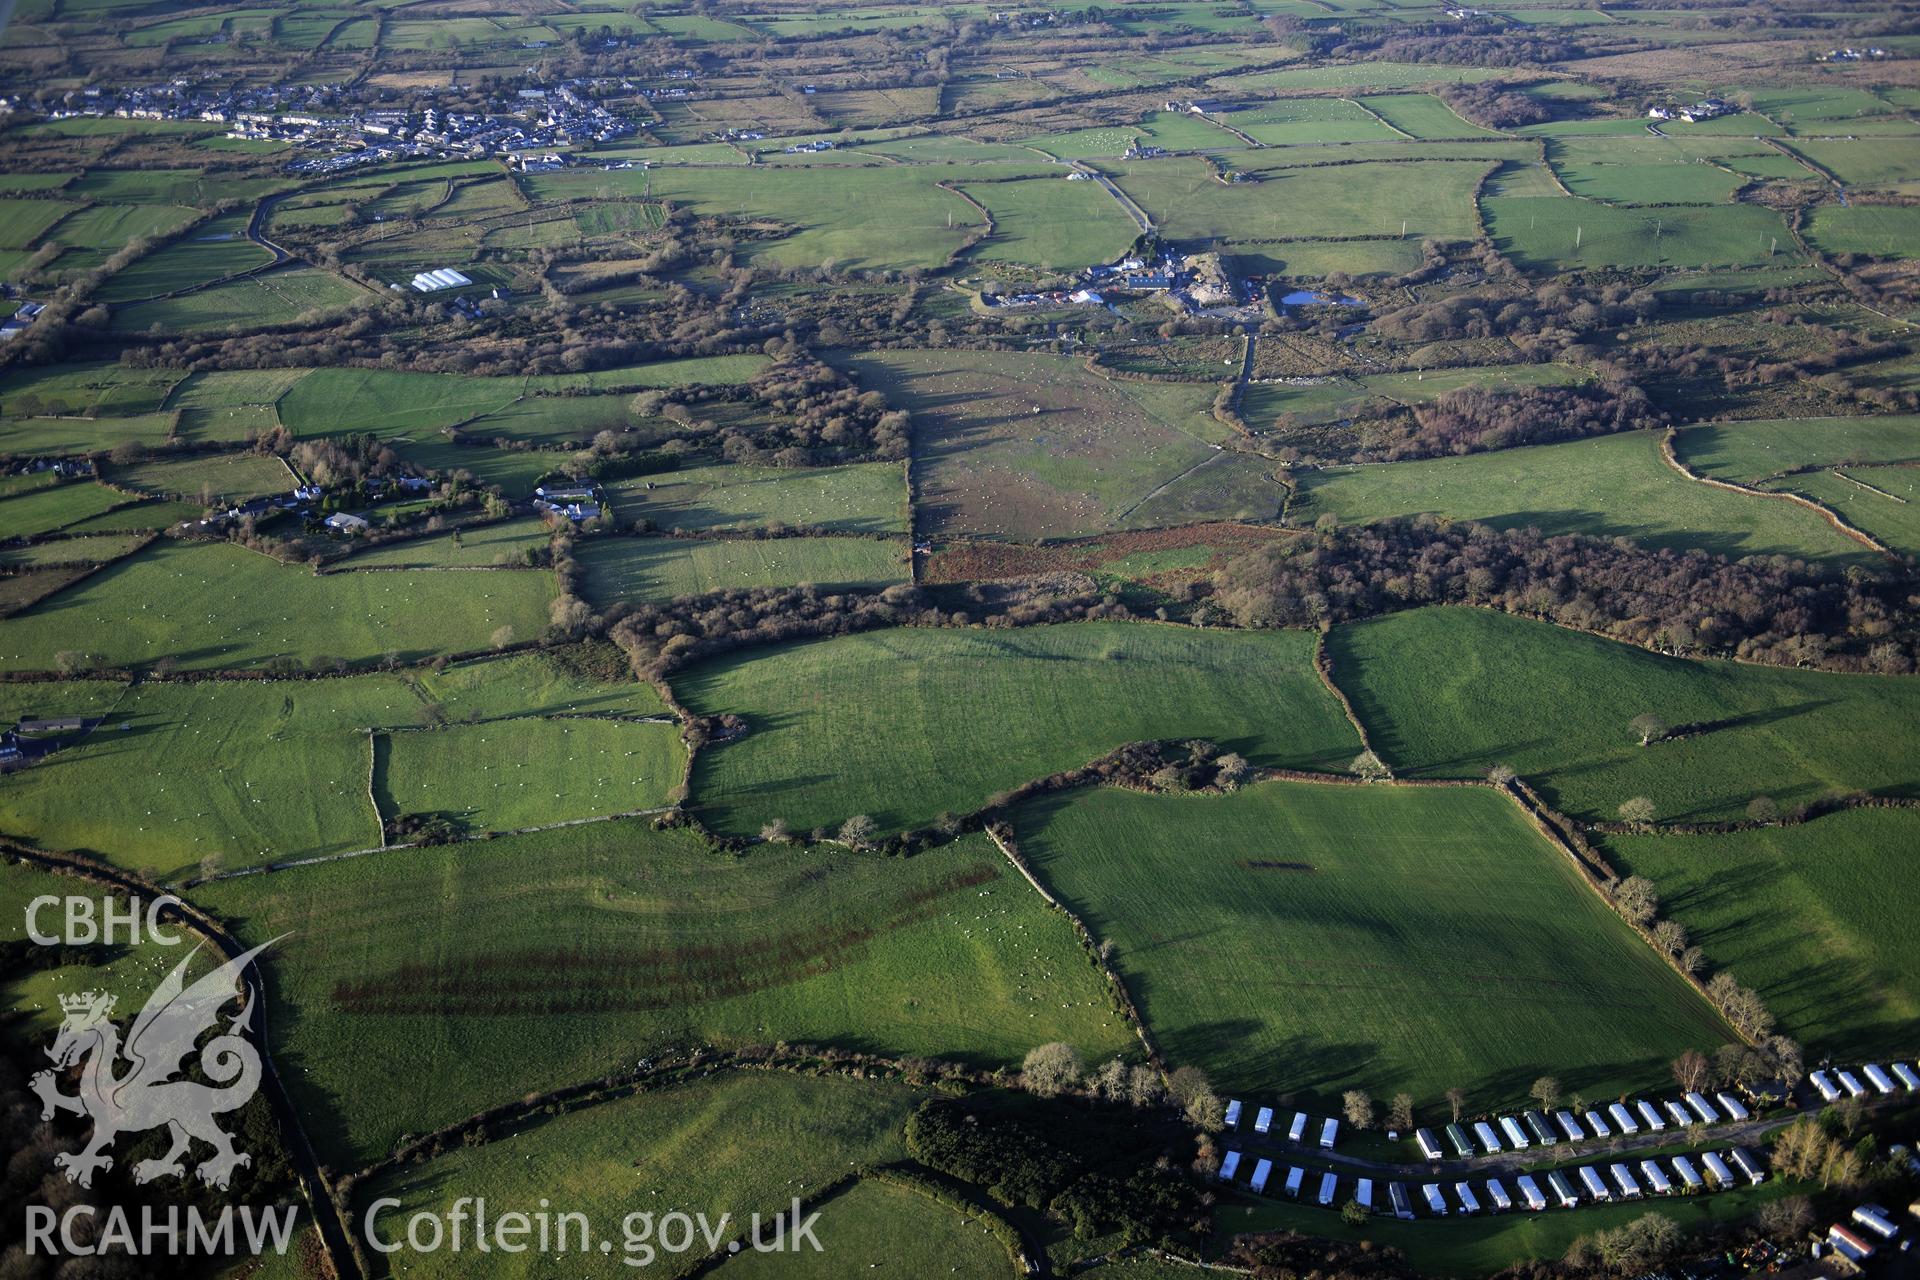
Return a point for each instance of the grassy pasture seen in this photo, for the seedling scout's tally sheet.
(1746, 452)
(1433, 198)
(1314, 259)
(1449, 692)
(285, 295)
(1876, 230)
(1422, 115)
(516, 774)
(154, 514)
(1357, 75)
(1086, 462)
(1559, 234)
(225, 389)
(113, 226)
(420, 986)
(84, 389)
(739, 1143)
(389, 403)
(505, 543)
(1864, 162)
(97, 549)
(28, 515)
(1813, 917)
(1605, 485)
(554, 420)
(869, 497)
(1052, 223)
(24, 221)
(1887, 511)
(884, 1226)
(1337, 397)
(209, 478)
(661, 569)
(1286, 121)
(82, 435)
(919, 722)
(1300, 939)
(1630, 174)
(224, 607)
(214, 249)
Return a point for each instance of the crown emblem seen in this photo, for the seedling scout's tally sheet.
(87, 1001)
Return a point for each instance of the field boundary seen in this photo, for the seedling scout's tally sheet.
(1832, 517)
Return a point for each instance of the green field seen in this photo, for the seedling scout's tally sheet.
(862, 498)
(212, 250)
(740, 1143)
(1334, 398)
(1287, 121)
(1889, 511)
(506, 543)
(389, 403)
(1815, 917)
(59, 436)
(84, 389)
(877, 1225)
(1052, 223)
(1422, 115)
(1558, 234)
(209, 478)
(1430, 198)
(661, 569)
(1876, 230)
(919, 722)
(88, 550)
(420, 986)
(284, 296)
(223, 607)
(1606, 485)
(1449, 692)
(1746, 452)
(1301, 939)
(28, 515)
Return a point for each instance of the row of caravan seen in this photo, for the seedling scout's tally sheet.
(1298, 1132)
(1532, 1128)
(1836, 1083)
(1566, 1188)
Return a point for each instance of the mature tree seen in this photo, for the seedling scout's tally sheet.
(1787, 1219)
(1692, 1070)
(1649, 727)
(1670, 936)
(1051, 1069)
(1457, 1099)
(1693, 960)
(1230, 770)
(1359, 1108)
(1764, 810)
(1354, 1214)
(1546, 1091)
(858, 829)
(1788, 1061)
(1637, 812)
(1370, 767)
(1500, 775)
(775, 831)
(1637, 899)
(1400, 1113)
(502, 637)
(1645, 1242)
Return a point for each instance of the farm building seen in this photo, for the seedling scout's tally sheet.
(1624, 1182)
(1515, 1135)
(1261, 1172)
(1469, 1204)
(345, 522)
(434, 281)
(1402, 1205)
(1436, 1202)
(1748, 1164)
(1489, 1140)
(1595, 1184)
(1689, 1176)
(1229, 1166)
(1428, 1146)
(1563, 1191)
(1498, 1197)
(1656, 1178)
(1530, 1192)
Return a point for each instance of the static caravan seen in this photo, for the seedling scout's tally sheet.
(1297, 1131)
(1595, 1184)
(1717, 1169)
(1563, 1191)
(1877, 1077)
(1469, 1204)
(1656, 1180)
(1598, 1124)
(1698, 1104)
(1851, 1083)
(1498, 1197)
(1515, 1135)
(1402, 1205)
(1680, 1115)
(1748, 1164)
(1875, 1219)
(1363, 1193)
(1689, 1177)
(1569, 1125)
(1854, 1246)
(1295, 1177)
(1530, 1192)
(1650, 1116)
(1489, 1140)
(1328, 1132)
(1542, 1131)
(1436, 1203)
(1261, 1172)
(1624, 1182)
(1825, 1085)
(1263, 1121)
(1233, 1114)
(1736, 1110)
(1623, 1119)
(1230, 1166)
(1429, 1146)
(1907, 1075)
(1462, 1145)
(1329, 1183)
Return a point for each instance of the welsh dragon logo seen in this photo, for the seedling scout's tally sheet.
(144, 1095)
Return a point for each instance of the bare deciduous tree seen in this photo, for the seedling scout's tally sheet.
(1051, 1069)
